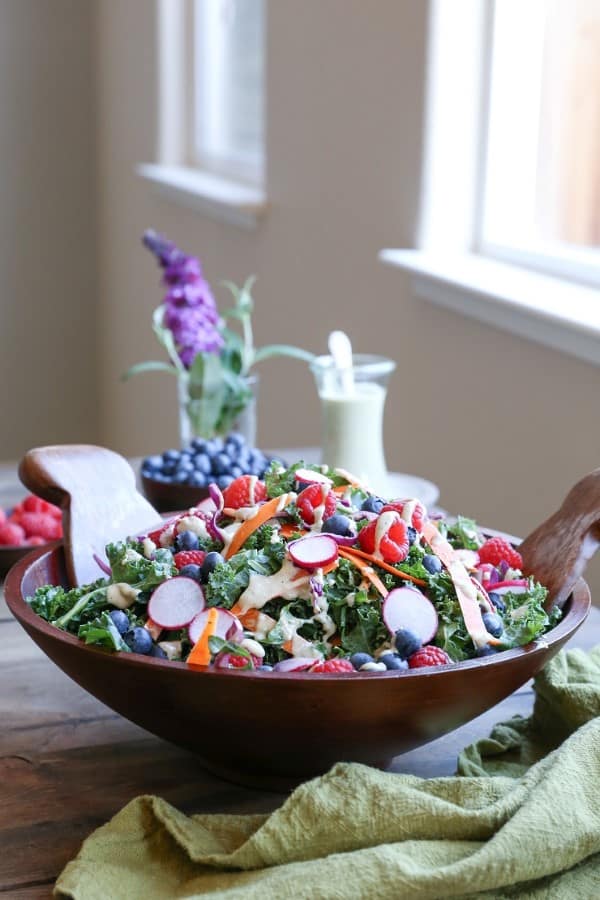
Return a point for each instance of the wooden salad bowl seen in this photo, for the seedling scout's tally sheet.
(272, 729)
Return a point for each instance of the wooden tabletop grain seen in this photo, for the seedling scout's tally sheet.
(68, 763)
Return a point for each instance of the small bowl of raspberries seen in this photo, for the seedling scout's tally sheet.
(31, 523)
(179, 479)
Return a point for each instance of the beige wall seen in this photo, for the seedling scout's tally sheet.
(502, 425)
(47, 249)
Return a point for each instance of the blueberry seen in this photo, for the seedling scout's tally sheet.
(171, 456)
(412, 534)
(497, 601)
(221, 464)
(186, 540)
(158, 652)
(169, 468)
(180, 476)
(265, 668)
(198, 479)
(486, 650)
(211, 561)
(153, 463)
(373, 504)
(236, 471)
(214, 446)
(360, 659)
(198, 444)
(407, 642)
(301, 485)
(432, 563)
(138, 640)
(191, 571)
(393, 661)
(238, 440)
(120, 620)
(186, 464)
(338, 524)
(493, 624)
(224, 481)
(202, 463)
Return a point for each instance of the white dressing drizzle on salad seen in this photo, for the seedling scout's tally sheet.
(408, 510)
(384, 523)
(289, 584)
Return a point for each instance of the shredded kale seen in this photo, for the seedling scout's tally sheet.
(463, 534)
(130, 566)
(52, 603)
(524, 616)
(230, 579)
(280, 481)
(102, 632)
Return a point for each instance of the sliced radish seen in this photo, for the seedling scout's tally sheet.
(407, 607)
(295, 664)
(518, 586)
(311, 477)
(175, 602)
(313, 551)
(227, 625)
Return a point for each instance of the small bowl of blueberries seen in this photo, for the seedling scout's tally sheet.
(178, 479)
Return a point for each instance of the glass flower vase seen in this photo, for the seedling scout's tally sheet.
(215, 413)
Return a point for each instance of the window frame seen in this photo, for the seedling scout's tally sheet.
(567, 261)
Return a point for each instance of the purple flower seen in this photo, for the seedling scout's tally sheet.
(190, 310)
(186, 271)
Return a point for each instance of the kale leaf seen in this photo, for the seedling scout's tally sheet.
(230, 579)
(102, 632)
(525, 617)
(130, 566)
(51, 602)
(463, 534)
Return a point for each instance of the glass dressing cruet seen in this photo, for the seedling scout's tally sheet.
(352, 389)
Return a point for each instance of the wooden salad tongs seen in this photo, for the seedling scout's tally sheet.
(96, 491)
(557, 552)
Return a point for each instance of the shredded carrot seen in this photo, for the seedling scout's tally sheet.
(365, 570)
(288, 646)
(383, 565)
(265, 512)
(290, 528)
(249, 619)
(200, 655)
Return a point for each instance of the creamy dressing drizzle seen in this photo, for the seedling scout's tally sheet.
(408, 510)
(194, 524)
(148, 547)
(384, 523)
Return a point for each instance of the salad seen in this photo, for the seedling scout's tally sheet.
(306, 571)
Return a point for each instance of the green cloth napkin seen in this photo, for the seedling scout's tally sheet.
(521, 820)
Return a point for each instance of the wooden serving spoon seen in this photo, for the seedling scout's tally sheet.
(557, 552)
(96, 491)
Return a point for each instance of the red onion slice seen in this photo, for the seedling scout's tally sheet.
(104, 566)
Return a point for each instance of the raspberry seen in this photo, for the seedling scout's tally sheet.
(496, 550)
(42, 525)
(332, 666)
(311, 498)
(393, 545)
(35, 541)
(244, 491)
(429, 656)
(11, 535)
(189, 557)
(419, 513)
(2, 516)
(34, 504)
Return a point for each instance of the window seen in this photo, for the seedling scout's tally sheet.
(509, 225)
(540, 196)
(228, 78)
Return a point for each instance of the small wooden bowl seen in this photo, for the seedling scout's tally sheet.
(166, 496)
(271, 729)
(9, 556)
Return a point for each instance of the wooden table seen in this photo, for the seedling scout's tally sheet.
(68, 763)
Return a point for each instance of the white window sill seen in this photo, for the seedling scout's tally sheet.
(550, 311)
(220, 198)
